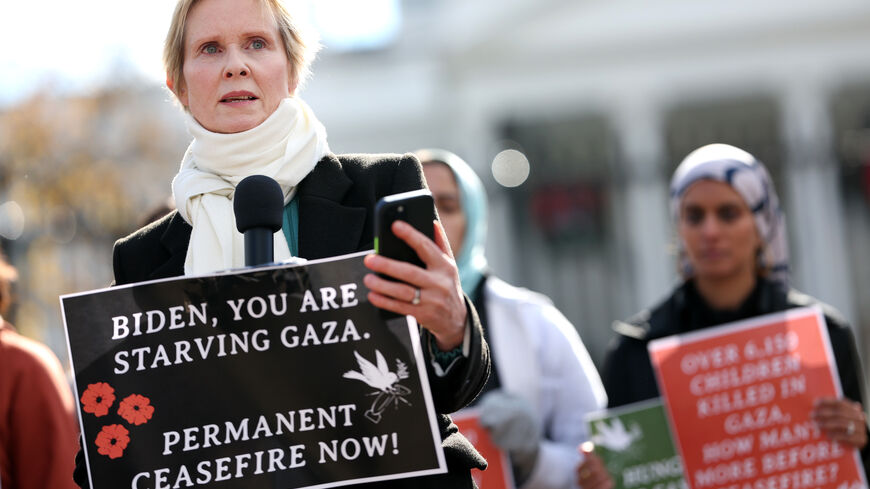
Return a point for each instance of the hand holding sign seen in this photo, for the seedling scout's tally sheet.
(842, 420)
(591, 473)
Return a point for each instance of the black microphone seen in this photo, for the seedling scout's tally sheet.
(259, 208)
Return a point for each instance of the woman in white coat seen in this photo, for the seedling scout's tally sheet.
(543, 381)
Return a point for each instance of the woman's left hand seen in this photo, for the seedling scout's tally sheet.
(842, 420)
(433, 295)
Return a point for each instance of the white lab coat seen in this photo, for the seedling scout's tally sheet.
(539, 356)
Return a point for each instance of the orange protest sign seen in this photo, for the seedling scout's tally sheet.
(739, 398)
(498, 474)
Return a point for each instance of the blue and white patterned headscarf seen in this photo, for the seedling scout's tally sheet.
(746, 175)
(470, 261)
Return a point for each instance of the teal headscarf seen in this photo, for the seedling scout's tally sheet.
(471, 260)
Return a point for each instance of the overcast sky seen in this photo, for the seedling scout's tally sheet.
(74, 45)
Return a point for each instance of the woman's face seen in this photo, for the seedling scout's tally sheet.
(442, 184)
(718, 231)
(235, 70)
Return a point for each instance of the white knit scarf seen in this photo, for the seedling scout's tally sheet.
(286, 147)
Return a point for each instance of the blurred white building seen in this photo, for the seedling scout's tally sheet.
(605, 98)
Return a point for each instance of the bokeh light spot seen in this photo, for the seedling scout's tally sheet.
(11, 220)
(510, 168)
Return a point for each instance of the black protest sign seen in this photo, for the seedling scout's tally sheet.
(282, 377)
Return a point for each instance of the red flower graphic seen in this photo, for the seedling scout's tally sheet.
(136, 409)
(98, 398)
(112, 440)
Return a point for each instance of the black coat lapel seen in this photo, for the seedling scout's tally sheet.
(327, 226)
(176, 239)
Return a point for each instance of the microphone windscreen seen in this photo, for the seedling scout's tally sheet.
(258, 203)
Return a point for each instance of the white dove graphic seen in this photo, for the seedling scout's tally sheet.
(378, 376)
(615, 437)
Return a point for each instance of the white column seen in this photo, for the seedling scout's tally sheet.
(814, 208)
(647, 226)
(473, 128)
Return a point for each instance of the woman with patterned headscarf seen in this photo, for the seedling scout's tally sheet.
(543, 381)
(733, 256)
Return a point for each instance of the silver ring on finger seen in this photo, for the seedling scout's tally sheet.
(416, 299)
(850, 430)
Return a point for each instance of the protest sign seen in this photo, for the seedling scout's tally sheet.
(739, 398)
(276, 377)
(498, 473)
(635, 444)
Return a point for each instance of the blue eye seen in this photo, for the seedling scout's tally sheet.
(210, 49)
(258, 44)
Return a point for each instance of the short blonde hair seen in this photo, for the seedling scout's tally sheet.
(301, 47)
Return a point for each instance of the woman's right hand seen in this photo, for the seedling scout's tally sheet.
(591, 473)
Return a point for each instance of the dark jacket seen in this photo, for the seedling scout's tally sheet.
(628, 374)
(336, 216)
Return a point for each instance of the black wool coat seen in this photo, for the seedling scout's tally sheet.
(336, 217)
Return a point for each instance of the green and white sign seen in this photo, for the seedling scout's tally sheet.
(635, 443)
